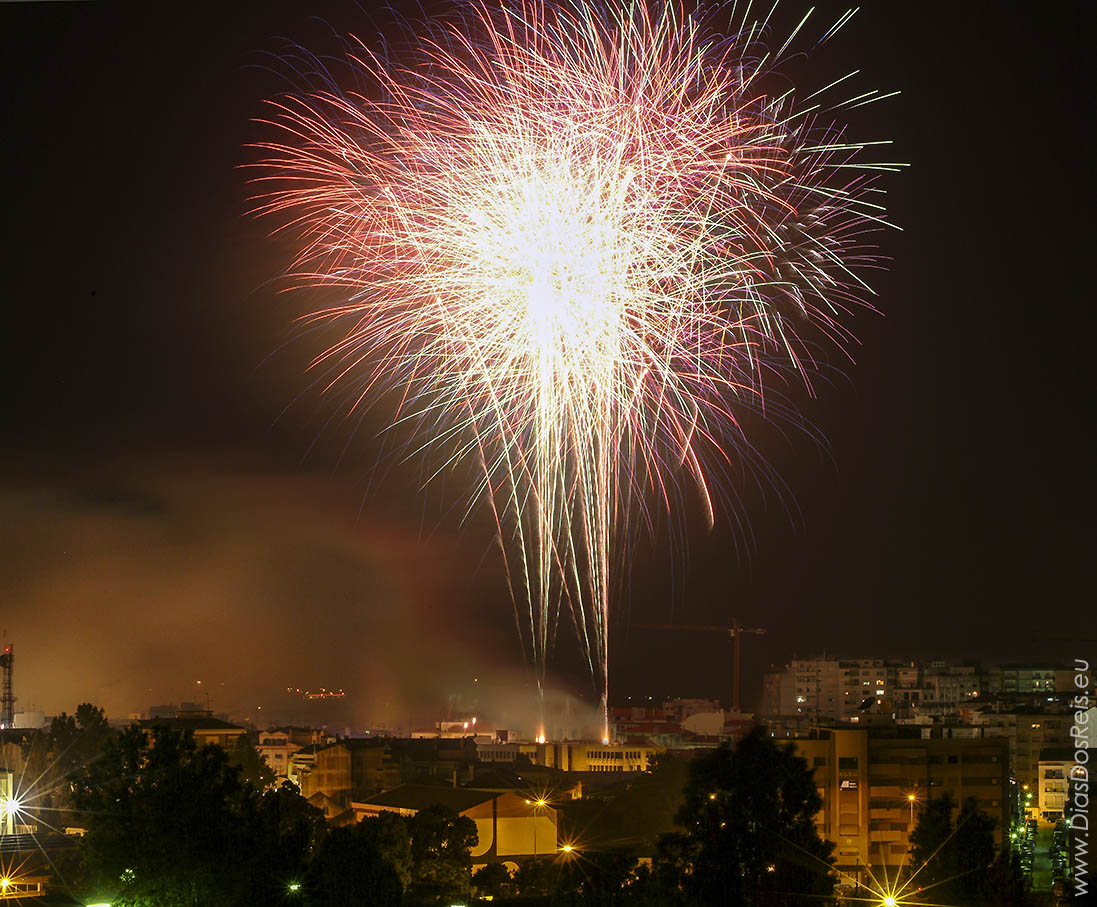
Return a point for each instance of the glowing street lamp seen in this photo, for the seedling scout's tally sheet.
(539, 804)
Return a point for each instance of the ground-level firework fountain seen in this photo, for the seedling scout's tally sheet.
(580, 241)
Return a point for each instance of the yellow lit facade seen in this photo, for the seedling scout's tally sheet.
(574, 756)
(508, 824)
(873, 789)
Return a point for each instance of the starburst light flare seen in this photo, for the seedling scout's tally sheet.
(578, 240)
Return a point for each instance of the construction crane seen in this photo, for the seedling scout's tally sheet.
(735, 631)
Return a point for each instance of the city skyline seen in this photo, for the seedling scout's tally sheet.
(161, 519)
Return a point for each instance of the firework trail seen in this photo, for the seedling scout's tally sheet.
(578, 241)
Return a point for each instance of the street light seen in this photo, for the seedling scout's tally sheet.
(911, 799)
(537, 804)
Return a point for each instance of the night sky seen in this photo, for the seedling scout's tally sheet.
(161, 522)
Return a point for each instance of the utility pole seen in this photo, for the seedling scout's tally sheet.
(735, 631)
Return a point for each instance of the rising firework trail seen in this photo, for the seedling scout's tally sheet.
(578, 242)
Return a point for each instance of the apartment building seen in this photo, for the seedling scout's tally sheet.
(873, 786)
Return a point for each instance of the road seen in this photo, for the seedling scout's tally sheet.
(1041, 861)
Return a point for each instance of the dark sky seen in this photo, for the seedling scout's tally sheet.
(161, 524)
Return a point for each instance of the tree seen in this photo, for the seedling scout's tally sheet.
(935, 862)
(71, 742)
(602, 876)
(74, 740)
(675, 855)
(957, 862)
(171, 824)
(491, 879)
(539, 877)
(441, 845)
(974, 847)
(389, 836)
(1008, 883)
(287, 830)
(750, 835)
(253, 767)
(633, 814)
(349, 870)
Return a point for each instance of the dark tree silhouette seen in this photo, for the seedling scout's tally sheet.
(389, 836)
(349, 871)
(957, 862)
(171, 824)
(936, 863)
(750, 836)
(491, 880)
(253, 767)
(441, 842)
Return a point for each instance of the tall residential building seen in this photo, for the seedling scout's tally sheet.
(874, 786)
(837, 688)
(830, 688)
(1027, 733)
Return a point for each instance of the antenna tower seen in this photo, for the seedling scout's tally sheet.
(7, 699)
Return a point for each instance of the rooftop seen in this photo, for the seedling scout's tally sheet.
(420, 796)
(191, 721)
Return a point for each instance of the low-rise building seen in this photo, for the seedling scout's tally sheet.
(1054, 773)
(573, 756)
(344, 770)
(509, 826)
(202, 724)
(677, 710)
(276, 748)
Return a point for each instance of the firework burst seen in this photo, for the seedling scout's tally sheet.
(579, 241)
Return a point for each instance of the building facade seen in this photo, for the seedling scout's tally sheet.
(201, 723)
(573, 756)
(873, 787)
(276, 748)
(509, 825)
